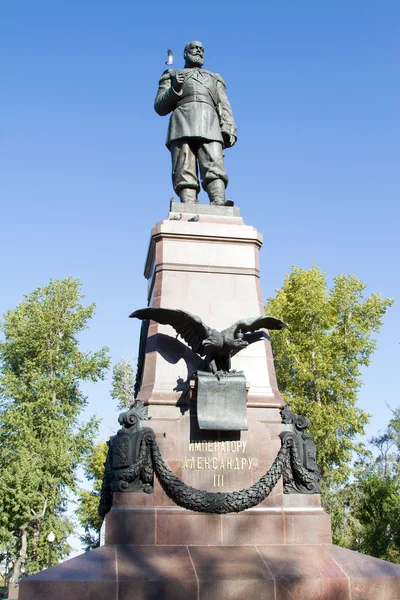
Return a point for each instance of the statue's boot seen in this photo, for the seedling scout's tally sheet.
(188, 195)
(216, 193)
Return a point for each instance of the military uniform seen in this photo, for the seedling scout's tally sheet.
(199, 127)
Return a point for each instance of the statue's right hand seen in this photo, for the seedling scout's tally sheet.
(177, 80)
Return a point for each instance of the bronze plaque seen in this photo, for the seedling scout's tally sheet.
(221, 403)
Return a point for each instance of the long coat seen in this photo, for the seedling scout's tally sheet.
(200, 110)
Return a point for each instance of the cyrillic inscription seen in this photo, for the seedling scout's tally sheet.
(220, 462)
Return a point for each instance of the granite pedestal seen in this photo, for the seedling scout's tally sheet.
(205, 260)
(182, 572)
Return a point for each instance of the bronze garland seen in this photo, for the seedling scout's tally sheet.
(149, 458)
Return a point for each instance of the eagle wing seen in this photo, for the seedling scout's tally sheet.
(190, 327)
(253, 324)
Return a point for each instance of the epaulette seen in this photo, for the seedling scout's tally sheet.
(166, 75)
(219, 78)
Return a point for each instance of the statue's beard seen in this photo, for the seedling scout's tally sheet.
(195, 61)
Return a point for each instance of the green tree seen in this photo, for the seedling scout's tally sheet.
(87, 512)
(377, 491)
(318, 359)
(123, 384)
(341, 501)
(42, 441)
(366, 511)
(122, 391)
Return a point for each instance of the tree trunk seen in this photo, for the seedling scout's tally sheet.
(18, 564)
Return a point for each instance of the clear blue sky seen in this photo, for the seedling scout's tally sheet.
(84, 173)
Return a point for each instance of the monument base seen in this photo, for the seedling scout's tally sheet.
(262, 572)
(301, 520)
(204, 260)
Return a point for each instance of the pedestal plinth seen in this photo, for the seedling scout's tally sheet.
(260, 572)
(204, 260)
(210, 268)
(136, 519)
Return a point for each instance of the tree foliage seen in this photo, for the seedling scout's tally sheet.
(365, 511)
(87, 512)
(123, 384)
(122, 391)
(377, 491)
(41, 440)
(318, 359)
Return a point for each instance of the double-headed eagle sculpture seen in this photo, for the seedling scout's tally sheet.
(217, 347)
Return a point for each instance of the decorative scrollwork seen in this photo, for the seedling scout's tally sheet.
(134, 457)
(149, 459)
(287, 415)
(128, 466)
(187, 496)
(301, 475)
(134, 416)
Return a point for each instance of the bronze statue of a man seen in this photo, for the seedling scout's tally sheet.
(200, 127)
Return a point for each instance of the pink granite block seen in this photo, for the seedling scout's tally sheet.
(174, 284)
(371, 578)
(231, 573)
(159, 590)
(274, 500)
(91, 575)
(244, 287)
(159, 572)
(187, 528)
(252, 528)
(73, 590)
(133, 499)
(154, 564)
(237, 589)
(305, 573)
(157, 286)
(161, 498)
(168, 437)
(313, 589)
(131, 526)
(308, 528)
(266, 416)
(210, 286)
(293, 501)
